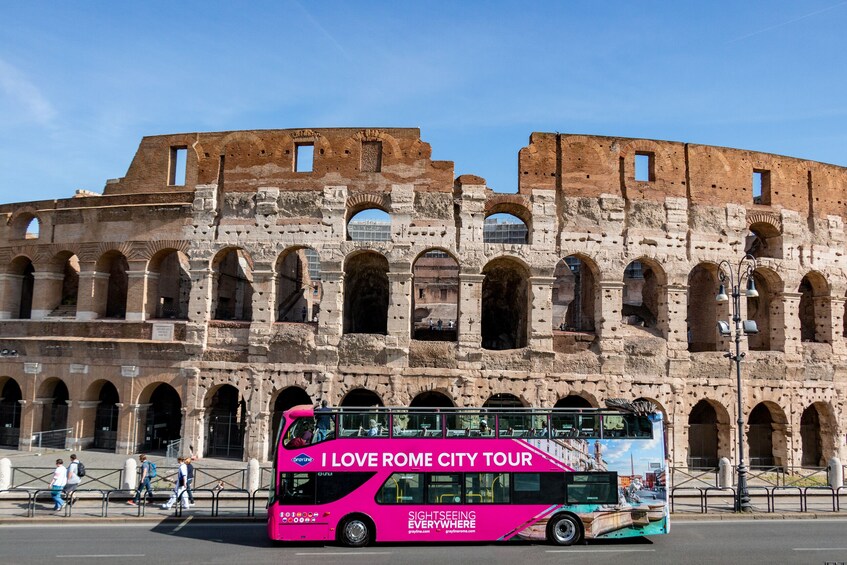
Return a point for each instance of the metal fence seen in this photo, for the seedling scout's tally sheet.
(51, 439)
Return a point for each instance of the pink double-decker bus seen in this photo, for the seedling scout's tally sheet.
(362, 475)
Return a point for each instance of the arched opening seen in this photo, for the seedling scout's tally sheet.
(763, 240)
(10, 413)
(233, 286)
(54, 416)
(505, 305)
(370, 224)
(169, 285)
(366, 294)
(505, 228)
(286, 399)
(362, 398)
(503, 400)
(33, 229)
(435, 296)
(703, 309)
(298, 286)
(814, 308)
(766, 311)
(574, 295)
(766, 436)
(106, 418)
(703, 436)
(163, 422)
(112, 286)
(573, 401)
(62, 296)
(810, 436)
(226, 423)
(643, 283)
(21, 284)
(431, 399)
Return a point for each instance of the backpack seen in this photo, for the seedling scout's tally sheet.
(151, 469)
(80, 469)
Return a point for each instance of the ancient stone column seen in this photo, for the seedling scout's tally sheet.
(136, 296)
(608, 324)
(46, 294)
(541, 313)
(470, 313)
(91, 300)
(791, 304)
(11, 296)
(399, 316)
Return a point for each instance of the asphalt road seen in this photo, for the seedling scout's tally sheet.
(746, 541)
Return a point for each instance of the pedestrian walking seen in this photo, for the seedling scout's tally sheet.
(75, 471)
(179, 487)
(60, 479)
(148, 471)
(189, 480)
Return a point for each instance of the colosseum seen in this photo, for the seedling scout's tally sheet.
(229, 276)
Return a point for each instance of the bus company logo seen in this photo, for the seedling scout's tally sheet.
(302, 459)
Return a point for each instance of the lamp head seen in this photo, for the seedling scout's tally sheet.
(721, 297)
(723, 328)
(751, 288)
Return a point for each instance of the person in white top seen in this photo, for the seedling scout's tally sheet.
(73, 478)
(179, 492)
(60, 479)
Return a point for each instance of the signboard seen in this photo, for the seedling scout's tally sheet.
(163, 331)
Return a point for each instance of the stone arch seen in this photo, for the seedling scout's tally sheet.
(366, 293)
(817, 435)
(226, 422)
(504, 400)
(764, 235)
(111, 284)
(703, 310)
(298, 285)
(21, 224)
(369, 224)
(709, 435)
(575, 295)
(512, 204)
(767, 311)
(577, 400)
(362, 201)
(766, 436)
(60, 296)
(361, 397)
(506, 228)
(232, 286)
(168, 285)
(53, 396)
(644, 301)
(431, 399)
(814, 311)
(10, 412)
(105, 415)
(505, 304)
(435, 296)
(20, 286)
(161, 413)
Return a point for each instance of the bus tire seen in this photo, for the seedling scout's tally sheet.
(564, 529)
(356, 531)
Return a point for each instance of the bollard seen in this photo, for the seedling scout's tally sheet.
(724, 473)
(130, 475)
(835, 473)
(253, 475)
(5, 473)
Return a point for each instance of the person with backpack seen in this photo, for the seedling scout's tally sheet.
(76, 470)
(189, 480)
(148, 471)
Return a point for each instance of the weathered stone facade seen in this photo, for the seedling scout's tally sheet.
(163, 281)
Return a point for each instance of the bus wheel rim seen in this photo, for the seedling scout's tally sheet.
(565, 530)
(356, 531)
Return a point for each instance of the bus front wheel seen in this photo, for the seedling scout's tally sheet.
(564, 530)
(356, 531)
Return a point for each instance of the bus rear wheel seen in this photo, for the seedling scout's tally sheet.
(355, 531)
(564, 530)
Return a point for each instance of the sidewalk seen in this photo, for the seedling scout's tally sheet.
(46, 458)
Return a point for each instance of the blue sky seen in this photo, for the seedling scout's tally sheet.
(81, 83)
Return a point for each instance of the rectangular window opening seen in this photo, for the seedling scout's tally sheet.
(371, 156)
(761, 186)
(644, 167)
(176, 171)
(304, 155)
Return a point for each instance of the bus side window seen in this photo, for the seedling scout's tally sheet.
(296, 488)
(402, 488)
(444, 488)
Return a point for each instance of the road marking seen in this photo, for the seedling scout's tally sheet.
(819, 548)
(600, 550)
(346, 553)
(182, 525)
(107, 555)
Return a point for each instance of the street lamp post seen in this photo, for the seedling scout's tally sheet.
(735, 277)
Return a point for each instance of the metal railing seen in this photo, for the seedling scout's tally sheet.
(52, 439)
